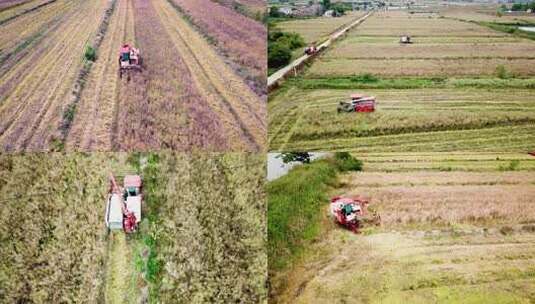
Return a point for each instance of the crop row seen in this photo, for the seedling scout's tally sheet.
(210, 230)
(51, 225)
(399, 113)
(29, 119)
(242, 40)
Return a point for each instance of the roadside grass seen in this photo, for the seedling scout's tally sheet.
(295, 202)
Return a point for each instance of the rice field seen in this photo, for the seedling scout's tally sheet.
(317, 29)
(446, 236)
(420, 120)
(201, 238)
(441, 47)
(54, 98)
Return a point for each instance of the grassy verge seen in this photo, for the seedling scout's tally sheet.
(510, 28)
(367, 81)
(295, 202)
(146, 258)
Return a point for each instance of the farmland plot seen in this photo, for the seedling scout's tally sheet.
(54, 244)
(405, 120)
(211, 228)
(56, 248)
(445, 237)
(240, 39)
(183, 99)
(36, 90)
(316, 29)
(464, 49)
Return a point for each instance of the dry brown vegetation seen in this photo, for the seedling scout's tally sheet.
(202, 237)
(442, 47)
(184, 99)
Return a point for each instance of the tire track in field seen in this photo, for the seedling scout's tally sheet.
(160, 107)
(14, 68)
(241, 111)
(35, 86)
(93, 122)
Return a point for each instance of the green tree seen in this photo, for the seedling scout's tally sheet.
(279, 54)
(302, 157)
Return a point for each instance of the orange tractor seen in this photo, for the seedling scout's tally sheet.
(352, 212)
(129, 59)
(123, 209)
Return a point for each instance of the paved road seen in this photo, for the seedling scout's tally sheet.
(280, 74)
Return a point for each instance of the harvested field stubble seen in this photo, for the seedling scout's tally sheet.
(407, 120)
(242, 40)
(448, 198)
(51, 72)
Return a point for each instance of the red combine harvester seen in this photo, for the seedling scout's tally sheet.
(358, 103)
(532, 153)
(129, 59)
(311, 50)
(123, 210)
(351, 212)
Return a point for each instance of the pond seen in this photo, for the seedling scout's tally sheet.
(277, 168)
(527, 28)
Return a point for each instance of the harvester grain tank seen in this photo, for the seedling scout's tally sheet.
(129, 59)
(357, 103)
(123, 209)
(405, 39)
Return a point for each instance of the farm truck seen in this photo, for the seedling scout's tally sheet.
(357, 103)
(129, 59)
(352, 212)
(123, 208)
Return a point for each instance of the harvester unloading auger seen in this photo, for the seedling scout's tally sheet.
(129, 59)
(353, 213)
(123, 208)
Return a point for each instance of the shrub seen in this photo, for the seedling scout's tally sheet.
(501, 72)
(346, 162)
(278, 55)
(90, 53)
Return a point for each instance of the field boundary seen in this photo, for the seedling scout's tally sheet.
(26, 11)
(276, 78)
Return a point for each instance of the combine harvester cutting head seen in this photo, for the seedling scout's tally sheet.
(358, 103)
(352, 212)
(129, 59)
(123, 209)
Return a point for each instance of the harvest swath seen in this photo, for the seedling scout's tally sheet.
(445, 237)
(186, 97)
(458, 87)
(433, 53)
(406, 120)
(201, 238)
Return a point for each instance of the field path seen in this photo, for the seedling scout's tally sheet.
(283, 72)
(118, 270)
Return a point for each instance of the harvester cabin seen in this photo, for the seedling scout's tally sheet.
(132, 185)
